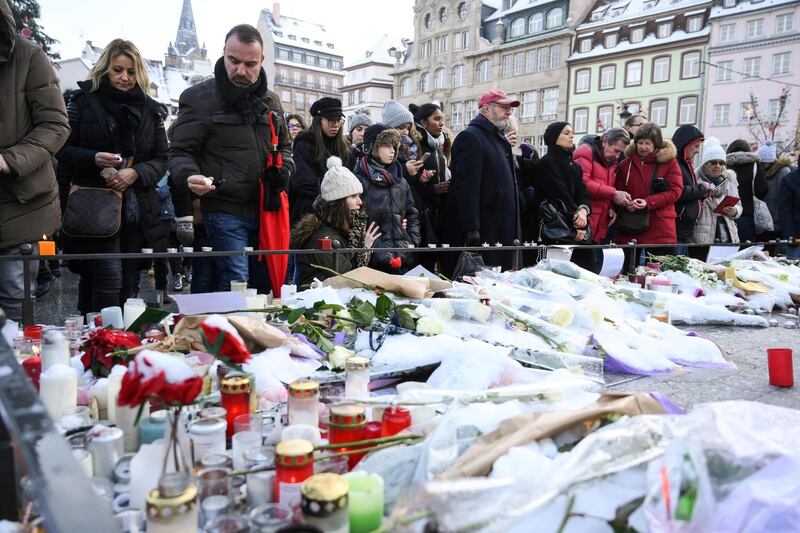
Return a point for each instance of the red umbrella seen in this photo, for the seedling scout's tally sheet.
(273, 227)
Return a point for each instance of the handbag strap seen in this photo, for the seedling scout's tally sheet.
(628, 176)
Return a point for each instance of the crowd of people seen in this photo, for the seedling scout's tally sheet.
(233, 172)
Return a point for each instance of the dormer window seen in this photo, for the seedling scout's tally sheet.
(694, 24)
(610, 40)
(586, 45)
(664, 30)
(637, 35)
(293, 37)
(728, 3)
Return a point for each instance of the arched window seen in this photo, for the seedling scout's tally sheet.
(517, 27)
(405, 86)
(554, 18)
(424, 82)
(462, 10)
(438, 78)
(457, 76)
(482, 70)
(536, 23)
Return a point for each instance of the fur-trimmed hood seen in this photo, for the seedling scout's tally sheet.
(666, 153)
(741, 158)
(777, 166)
(304, 229)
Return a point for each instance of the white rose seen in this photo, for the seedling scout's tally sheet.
(429, 326)
(480, 312)
(443, 308)
(339, 355)
(562, 316)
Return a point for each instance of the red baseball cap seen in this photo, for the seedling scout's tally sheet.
(496, 96)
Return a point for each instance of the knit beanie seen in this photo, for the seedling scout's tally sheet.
(739, 145)
(767, 152)
(553, 131)
(361, 118)
(712, 151)
(339, 182)
(395, 114)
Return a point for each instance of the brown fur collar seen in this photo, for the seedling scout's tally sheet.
(778, 165)
(668, 152)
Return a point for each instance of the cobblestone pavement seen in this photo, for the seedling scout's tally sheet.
(746, 347)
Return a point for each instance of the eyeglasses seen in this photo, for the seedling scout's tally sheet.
(504, 107)
(333, 121)
(717, 163)
(294, 126)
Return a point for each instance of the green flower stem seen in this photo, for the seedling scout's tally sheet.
(367, 442)
(361, 450)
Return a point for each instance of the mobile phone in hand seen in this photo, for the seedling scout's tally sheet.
(424, 157)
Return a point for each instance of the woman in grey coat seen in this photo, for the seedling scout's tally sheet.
(711, 226)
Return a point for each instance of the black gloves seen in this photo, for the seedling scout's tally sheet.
(472, 238)
(275, 179)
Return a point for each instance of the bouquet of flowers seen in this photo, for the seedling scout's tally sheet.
(107, 347)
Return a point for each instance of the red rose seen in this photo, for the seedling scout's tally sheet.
(396, 262)
(224, 341)
(158, 374)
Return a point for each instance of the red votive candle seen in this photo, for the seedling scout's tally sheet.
(395, 420)
(779, 361)
(347, 424)
(373, 430)
(235, 398)
(33, 332)
(33, 367)
(324, 244)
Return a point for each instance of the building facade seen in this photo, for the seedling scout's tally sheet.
(754, 53)
(639, 55)
(301, 62)
(368, 80)
(462, 49)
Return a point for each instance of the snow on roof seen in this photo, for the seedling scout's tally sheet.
(303, 34)
(650, 40)
(378, 52)
(520, 5)
(746, 7)
(625, 10)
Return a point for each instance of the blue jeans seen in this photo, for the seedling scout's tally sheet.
(12, 283)
(793, 251)
(746, 227)
(226, 232)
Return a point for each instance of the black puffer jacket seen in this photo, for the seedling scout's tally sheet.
(691, 200)
(92, 132)
(388, 200)
(211, 137)
(750, 174)
(307, 177)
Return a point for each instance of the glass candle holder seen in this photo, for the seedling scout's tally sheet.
(356, 384)
(153, 427)
(75, 417)
(247, 434)
(347, 423)
(324, 503)
(365, 508)
(228, 523)
(213, 492)
(395, 419)
(270, 517)
(260, 484)
(214, 412)
(294, 463)
(207, 435)
(235, 394)
(172, 511)
(303, 400)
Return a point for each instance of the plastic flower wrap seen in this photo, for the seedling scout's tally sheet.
(166, 376)
(224, 341)
(99, 350)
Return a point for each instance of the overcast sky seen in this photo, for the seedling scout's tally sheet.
(152, 24)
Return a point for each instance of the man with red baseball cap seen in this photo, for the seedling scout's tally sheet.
(482, 203)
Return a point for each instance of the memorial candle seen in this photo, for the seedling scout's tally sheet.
(55, 350)
(58, 388)
(303, 402)
(235, 394)
(294, 463)
(366, 501)
(347, 423)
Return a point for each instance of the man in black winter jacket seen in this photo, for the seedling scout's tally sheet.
(221, 144)
(687, 140)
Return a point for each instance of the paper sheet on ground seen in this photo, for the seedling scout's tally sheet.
(563, 253)
(613, 260)
(720, 252)
(216, 302)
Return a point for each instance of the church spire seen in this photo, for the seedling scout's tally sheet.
(187, 33)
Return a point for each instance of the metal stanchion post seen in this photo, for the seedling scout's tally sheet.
(517, 256)
(634, 256)
(27, 302)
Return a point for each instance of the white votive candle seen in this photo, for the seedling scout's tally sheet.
(55, 350)
(58, 389)
(112, 317)
(113, 386)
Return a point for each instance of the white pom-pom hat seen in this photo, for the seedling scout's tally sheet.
(712, 151)
(339, 182)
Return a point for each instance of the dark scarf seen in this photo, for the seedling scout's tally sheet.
(247, 100)
(376, 172)
(125, 110)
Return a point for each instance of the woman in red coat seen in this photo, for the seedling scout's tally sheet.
(652, 177)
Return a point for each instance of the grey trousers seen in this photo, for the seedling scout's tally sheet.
(12, 288)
